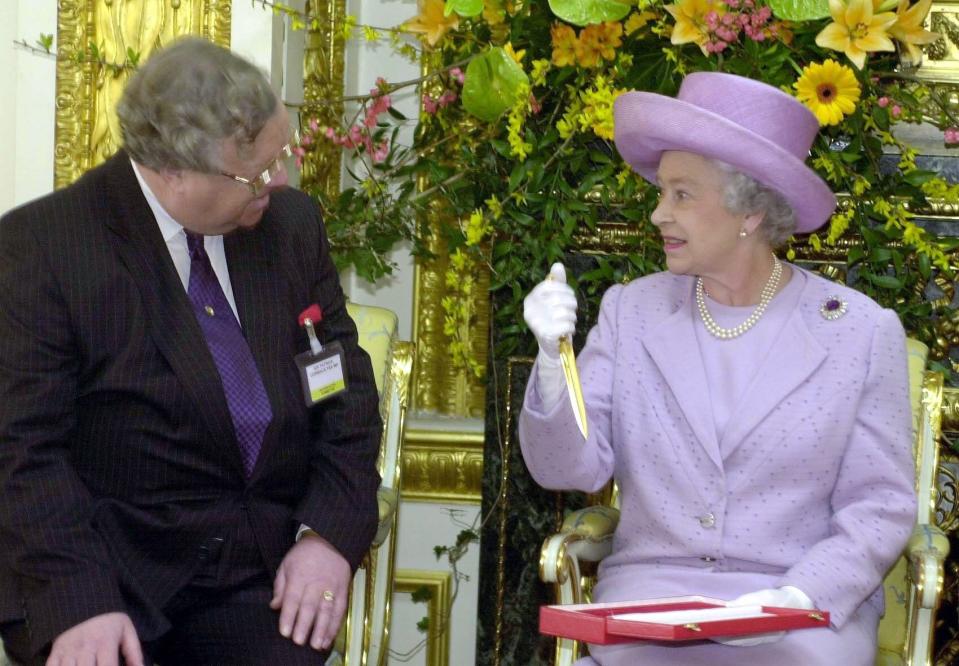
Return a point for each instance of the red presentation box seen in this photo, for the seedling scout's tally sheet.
(675, 619)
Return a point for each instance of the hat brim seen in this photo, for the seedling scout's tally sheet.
(648, 124)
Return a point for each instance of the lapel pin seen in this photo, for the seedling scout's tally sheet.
(832, 308)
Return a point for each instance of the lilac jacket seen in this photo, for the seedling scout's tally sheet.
(817, 487)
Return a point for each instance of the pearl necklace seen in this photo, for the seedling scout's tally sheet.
(769, 290)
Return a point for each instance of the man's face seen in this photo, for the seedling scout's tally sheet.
(214, 204)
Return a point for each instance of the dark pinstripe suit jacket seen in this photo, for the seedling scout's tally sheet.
(118, 460)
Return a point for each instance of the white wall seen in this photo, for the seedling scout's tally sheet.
(364, 63)
(28, 82)
(423, 526)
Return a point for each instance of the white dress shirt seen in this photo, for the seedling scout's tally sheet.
(175, 238)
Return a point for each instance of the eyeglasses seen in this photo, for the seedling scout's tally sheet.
(258, 184)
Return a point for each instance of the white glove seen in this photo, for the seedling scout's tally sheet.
(550, 312)
(783, 597)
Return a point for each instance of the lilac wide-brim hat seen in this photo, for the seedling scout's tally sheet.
(754, 127)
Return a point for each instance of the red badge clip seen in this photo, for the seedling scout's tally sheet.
(310, 316)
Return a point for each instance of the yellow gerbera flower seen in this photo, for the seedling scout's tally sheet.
(431, 22)
(856, 30)
(690, 18)
(829, 89)
(908, 29)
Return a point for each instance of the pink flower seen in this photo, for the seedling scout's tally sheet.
(381, 152)
(896, 110)
(534, 104)
(329, 133)
(458, 74)
(447, 98)
(314, 125)
(429, 104)
(951, 135)
(883, 102)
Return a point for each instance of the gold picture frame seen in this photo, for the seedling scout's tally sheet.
(90, 80)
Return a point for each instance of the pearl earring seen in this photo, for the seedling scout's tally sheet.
(742, 233)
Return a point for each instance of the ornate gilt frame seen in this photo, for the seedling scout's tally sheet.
(323, 67)
(440, 605)
(86, 132)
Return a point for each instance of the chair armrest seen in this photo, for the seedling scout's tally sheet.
(586, 535)
(927, 550)
(388, 500)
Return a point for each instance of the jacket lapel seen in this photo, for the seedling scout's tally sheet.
(257, 290)
(674, 349)
(795, 355)
(170, 317)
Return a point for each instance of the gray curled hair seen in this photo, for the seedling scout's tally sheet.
(744, 195)
(188, 97)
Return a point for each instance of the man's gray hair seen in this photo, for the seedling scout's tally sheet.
(185, 99)
(744, 195)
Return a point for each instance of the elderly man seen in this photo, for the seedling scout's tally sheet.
(177, 482)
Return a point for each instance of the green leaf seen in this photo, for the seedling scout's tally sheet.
(133, 57)
(884, 281)
(463, 7)
(421, 594)
(423, 625)
(585, 12)
(45, 41)
(493, 84)
(800, 10)
(918, 176)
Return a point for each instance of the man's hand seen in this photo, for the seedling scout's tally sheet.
(98, 641)
(310, 592)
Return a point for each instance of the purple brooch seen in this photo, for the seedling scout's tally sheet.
(833, 308)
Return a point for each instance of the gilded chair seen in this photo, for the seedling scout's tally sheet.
(364, 638)
(913, 586)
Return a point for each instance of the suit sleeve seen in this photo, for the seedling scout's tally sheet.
(340, 504)
(553, 448)
(64, 571)
(873, 501)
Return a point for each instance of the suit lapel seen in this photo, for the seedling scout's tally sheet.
(257, 290)
(171, 321)
(794, 356)
(674, 349)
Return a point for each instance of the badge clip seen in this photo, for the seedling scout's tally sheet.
(321, 368)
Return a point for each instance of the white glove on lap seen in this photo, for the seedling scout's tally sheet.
(550, 312)
(783, 597)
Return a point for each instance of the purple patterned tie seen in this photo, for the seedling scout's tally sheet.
(245, 395)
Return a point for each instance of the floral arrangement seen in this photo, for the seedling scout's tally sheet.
(512, 160)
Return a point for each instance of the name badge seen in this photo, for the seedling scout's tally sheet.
(321, 373)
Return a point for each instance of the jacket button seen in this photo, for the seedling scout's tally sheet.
(708, 559)
(707, 520)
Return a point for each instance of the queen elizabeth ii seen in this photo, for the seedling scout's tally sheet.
(754, 415)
